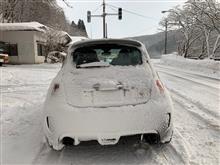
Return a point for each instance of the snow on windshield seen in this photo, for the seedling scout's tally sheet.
(108, 53)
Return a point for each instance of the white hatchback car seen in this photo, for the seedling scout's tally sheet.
(107, 89)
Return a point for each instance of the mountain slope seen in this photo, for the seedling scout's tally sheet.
(155, 43)
(46, 12)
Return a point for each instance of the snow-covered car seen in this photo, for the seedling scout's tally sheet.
(105, 90)
(56, 56)
(4, 59)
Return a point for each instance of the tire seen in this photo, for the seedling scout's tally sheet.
(0, 63)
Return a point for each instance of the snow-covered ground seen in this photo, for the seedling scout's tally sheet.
(205, 67)
(196, 96)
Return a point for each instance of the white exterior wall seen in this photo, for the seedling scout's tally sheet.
(38, 36)
(27, 46)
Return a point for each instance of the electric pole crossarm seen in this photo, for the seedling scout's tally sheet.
(96, 16)
(103, 15)
(111, 14)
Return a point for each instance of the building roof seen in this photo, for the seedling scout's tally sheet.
(23, 26)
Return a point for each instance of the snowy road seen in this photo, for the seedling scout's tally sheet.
(196, 122)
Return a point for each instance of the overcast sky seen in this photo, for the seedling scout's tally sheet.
(130, 25)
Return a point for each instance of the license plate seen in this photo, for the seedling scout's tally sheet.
(108, 96)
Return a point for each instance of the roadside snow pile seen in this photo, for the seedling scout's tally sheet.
(205, 67)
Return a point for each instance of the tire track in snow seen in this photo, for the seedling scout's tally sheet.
(47, 155)
(176, 152)
(211, 87)
(190, 73)
(196, 110)
(210, 113)
(201, 137)
(23, 85)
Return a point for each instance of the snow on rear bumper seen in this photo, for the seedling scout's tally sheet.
(106, 125)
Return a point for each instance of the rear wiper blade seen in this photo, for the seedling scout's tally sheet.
(93, 64)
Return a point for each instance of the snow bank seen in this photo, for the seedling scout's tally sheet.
(206, 67)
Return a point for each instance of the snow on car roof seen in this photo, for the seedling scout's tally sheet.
(107, 41)
(23, 26)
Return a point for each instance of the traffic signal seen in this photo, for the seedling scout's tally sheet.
(88, 16)
(119, 13)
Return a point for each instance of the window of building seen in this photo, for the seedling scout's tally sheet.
(41, 49)
(10, 49)
(13, 50)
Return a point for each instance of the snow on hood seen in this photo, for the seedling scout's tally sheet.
(107, 86)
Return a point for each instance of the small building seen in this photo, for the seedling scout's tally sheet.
(25, 43)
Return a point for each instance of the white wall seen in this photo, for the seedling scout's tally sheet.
(38, 36)
(27, 46)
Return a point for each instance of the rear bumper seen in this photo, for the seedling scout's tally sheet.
(5, 61)
(106, 125)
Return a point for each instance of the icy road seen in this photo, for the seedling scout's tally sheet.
(196, 122)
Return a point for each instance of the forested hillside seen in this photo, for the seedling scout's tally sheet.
(199, 23)
(46, 12)
(155, 43)
(193, 31)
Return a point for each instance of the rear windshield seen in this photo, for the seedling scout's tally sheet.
(109, 54)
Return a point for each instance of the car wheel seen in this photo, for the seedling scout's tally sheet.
(0, 63)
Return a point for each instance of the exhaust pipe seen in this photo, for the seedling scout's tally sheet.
(68, 141)
(151, 138)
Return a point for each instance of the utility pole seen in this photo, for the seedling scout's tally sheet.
(103, 15)
(166, 31)
(106, 30)
(165, 38)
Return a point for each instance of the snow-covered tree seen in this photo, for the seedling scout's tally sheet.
(199, 22)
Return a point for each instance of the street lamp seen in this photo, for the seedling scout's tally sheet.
(165, 38)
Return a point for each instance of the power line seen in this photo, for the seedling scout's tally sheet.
(113, 8)
(96, 9)
(103, 16)
(132, 12)
(140, 31)
(137, 32)
(67, 4)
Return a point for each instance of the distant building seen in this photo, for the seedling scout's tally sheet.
(25, 42)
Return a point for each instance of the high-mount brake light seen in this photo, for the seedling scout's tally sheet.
(55, 87)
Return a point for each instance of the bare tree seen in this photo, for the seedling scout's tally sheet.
(199, 22)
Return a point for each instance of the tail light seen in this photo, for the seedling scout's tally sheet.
(160, 86)
(55, 87)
